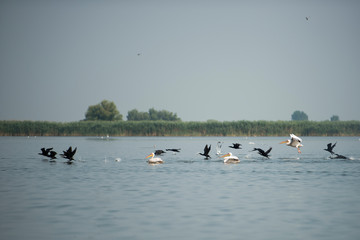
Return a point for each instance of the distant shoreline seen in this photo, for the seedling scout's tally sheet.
(179, 128)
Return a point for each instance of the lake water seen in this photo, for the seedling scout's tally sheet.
(110, 192)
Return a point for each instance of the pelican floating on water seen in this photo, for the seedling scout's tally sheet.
(153, 160)
(295, 141)
(229, 158)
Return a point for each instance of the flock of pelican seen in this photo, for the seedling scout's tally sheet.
(153, 158)
(294, 141)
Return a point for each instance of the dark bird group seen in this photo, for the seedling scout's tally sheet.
(68, 154)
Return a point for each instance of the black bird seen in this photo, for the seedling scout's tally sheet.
(69, 154)
(45, 152)
(173, 149)
(206, 151)
(236, 146)
(52, 154)
(159, 152)
(330, 148)
(338, 156)
(262, 152)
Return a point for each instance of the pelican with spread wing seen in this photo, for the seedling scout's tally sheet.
(229, 158)
(295, 141)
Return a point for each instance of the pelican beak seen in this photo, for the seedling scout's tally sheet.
(283, 142)
(150, 155)
(226, 155)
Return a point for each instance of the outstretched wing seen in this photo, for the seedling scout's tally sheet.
(268, 151)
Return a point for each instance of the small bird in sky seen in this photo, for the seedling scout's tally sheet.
(307, 18)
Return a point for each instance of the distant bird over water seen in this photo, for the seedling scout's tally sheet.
(295, 141)
(330, 148)
(236, 146)
(262, 152)
(206, 152)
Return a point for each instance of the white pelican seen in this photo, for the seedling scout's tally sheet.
(295, 141)
(153, 160)
(229, 158)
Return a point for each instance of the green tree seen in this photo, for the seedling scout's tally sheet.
(299, 116)
(105, 111)
(135, 115)
(335, 118)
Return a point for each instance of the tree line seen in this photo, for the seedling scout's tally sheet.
(107, 111)
(180, 128)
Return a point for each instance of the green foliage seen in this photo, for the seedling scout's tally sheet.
(153, 115)
(335, 118)
(105, 111)
(299, 116)
(179, 128)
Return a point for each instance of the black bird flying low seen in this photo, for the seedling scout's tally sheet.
(236, 146)
(52, 155)
(262, 152)
(45, 152)
(330, 148)
(206, 151)
(159, 152)
(69, 154)
(173, 149)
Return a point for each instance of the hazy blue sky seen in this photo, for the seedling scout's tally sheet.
(223, 60)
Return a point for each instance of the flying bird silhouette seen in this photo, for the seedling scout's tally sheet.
(45, 152)
(262, 152)
(159, 152)
(330, 148)
(236, 146)
(69, 154)
(206, 152)
(173, 149)
(295, 141)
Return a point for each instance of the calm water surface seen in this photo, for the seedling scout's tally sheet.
(290, 196)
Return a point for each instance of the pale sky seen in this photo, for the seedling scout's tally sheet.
(222, 60)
